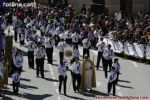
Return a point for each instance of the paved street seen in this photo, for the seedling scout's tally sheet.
(134, 81)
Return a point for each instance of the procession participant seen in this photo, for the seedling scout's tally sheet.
(49, 44)
(18, 61)
(76, 52)
(68, 38)
(22, 38)
(88, 77)
(40, 56)
(108, 57)
(86, 46)
(62, 68)
(16, 81)
(112, 81)
(30, 48)
(116, 65)
(75, 39)
(101, 46)
(96, 36)
(61, 47)
(118, 16)
(76, 76)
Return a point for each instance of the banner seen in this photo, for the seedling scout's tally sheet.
(116, 46)
(148, 52)
(128, 49)
(138, 50)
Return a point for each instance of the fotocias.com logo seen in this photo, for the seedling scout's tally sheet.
(14, 4)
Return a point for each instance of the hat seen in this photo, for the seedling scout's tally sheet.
(116, 59)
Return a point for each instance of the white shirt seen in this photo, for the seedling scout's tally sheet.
(62, 70)
(112, 77)
(96, 33)
(22, 37)
(75, 68)
(101, 46)
(16, 77)
(75, 38)
(116, 66)
(40, 53)
(31, 46)
(118, 16)
(61, 46)
(108, 54)
(86, 43)
(18, 61)
(68, 35)
(49, 43)
(111, 36)
(76, 53)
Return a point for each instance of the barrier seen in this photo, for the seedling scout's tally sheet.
(128, 49)
(148, 52)
(135, 49)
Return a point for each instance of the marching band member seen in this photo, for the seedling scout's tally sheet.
(30, 48)
(61, 47)
(22, 38)
(101, 46)
(112, 81)
(16, 81)
(108, 56)
(68, 38)
(62, 68)
(76, 76)
(40, 56)
(18, 61)
(49, 44)
(76, 52)
(75, 39)
(86, 46)
(116, 65)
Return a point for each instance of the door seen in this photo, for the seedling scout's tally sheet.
(126, 7)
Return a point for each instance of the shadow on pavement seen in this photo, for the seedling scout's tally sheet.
(124, 81)
(93, 93)
(73, 97)
(7, 98)
(36, 97)
(53, 80)
(24, 79)
(124, 86)
(27, 86)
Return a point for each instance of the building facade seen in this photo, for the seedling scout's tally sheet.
(126, 6)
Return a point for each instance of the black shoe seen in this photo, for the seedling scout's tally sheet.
(43, 77)
(65, 94)
(75, 91)
(91, 90)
